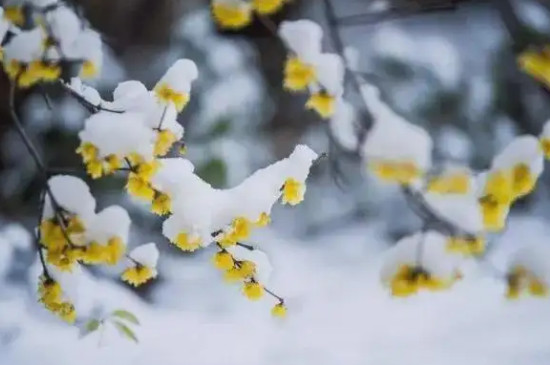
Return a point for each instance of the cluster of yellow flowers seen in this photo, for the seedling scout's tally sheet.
(536, 62)
(409, 280)
(65, 246)
(236, 14)
(42, 53)
(51, 295)
(521, 280)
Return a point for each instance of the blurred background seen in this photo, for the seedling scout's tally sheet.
(452, 70)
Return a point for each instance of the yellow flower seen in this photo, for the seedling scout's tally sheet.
(263, 220)
(113, 163)
(114, 250)
(297, 74)
(50, 293)
(66, 312)
(165, 140)
(88, 70)
(94, 254)
(536, 63)
(279, 310)
(223, 260)
(135, 159)
(409, 280)
(139, 187)
(138, 275)
(88, 152)
(15, 15)
(231, 16)
(466, 246)
(146, 170)
(499, 187)
(322, 103)
(37, 71)
(241, 271)
(520, 280)
(64, 259)
(168, 95)
(94, 168)
(267, 6)
(52, 236)
(253, 290)
(545, 146)
(293, 191)
(186, 243)
(402, 172)
(493, 212)
(523, 181)
(13, 69)
(241, 228)
(453, 183)
(162, 204)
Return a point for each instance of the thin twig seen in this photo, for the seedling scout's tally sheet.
(92, 108)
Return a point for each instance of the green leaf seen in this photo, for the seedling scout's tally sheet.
(90, 326)
(128, 316)
(125, 331)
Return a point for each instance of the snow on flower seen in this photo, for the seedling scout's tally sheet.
(419, 262)
(545, 140)
(199, 211)
(395, 150)
(71, 231)
(342, 125)
(142, 264)
(56, 42)
(232, 14)
(529, 272)
(513, 174)
(452, 180)
(174, 87)
(307, 67)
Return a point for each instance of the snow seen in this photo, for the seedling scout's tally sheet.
(523, 149)
(146, 255)
(72, 194)
(303, 38)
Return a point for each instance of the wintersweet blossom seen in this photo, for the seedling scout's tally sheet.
(174, 87)
(199, 210)
(71, 231)
(545, 140)
(452, 180)
(267, 7)
(303, 39)
(329, 87)
(51, 295)
(232, 14)
(395, 150)
(50, 44)
(513, 174)
(419, 262)
(536, 63)
(529, 272)
(279, 310)
(142, 264)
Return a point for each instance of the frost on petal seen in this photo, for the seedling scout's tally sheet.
(303, 37)
(111, 222)
(395, 149)
(4, 25)
(342, 125)
(72, 194)
(146, 255)
(263, 268)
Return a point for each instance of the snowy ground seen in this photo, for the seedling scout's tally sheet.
(339, 313)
